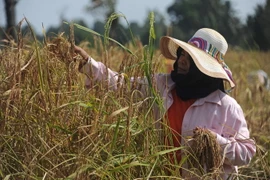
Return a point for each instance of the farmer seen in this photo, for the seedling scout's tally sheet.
(194, 95)
(259, 79)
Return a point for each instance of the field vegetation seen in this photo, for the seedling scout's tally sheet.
(51, 127)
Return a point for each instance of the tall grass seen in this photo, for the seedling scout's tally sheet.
(51, 127)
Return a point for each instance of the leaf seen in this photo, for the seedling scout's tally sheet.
(168, 151)
(132, 164)
(118, 112)
(7, 177)
(96, 33)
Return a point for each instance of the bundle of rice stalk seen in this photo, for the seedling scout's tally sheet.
(205, 153)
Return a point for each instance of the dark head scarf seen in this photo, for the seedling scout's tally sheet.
(194, 84)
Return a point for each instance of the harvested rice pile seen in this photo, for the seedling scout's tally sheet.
(205, 153)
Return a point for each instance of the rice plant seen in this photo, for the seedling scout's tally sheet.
(51, 127)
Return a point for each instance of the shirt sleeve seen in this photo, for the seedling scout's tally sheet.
(238, 149)
(97, 71)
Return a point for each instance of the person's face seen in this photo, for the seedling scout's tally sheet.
(183, 63)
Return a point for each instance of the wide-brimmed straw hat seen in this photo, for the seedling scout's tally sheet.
(207, 48)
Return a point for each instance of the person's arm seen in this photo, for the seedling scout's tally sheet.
(97, 71)
(237, 148)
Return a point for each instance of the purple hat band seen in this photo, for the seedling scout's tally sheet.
(212, 51)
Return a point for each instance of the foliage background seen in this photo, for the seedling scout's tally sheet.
(185, 18)
(53, 128)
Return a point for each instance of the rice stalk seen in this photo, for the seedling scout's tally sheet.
(40, 72)
(71, 38)
(205, 153)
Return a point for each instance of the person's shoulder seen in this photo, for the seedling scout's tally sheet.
(164, 77)
(163, 80)
(227, 100)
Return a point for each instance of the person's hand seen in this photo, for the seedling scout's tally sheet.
(213, 133)
(199, 129)
(81, 52)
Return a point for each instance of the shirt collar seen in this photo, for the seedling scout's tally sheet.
(214, 97)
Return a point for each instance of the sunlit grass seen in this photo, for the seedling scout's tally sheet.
(53, 128)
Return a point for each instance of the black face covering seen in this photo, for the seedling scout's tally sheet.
(194, 84)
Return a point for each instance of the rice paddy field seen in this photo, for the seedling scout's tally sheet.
(51, 127)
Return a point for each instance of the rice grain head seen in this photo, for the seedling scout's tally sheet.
(205, 154)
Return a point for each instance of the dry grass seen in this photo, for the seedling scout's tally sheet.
(53, 128)
(205, 153)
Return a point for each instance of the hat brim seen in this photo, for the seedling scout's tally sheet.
(205, 62)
